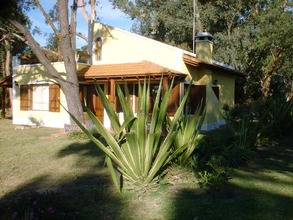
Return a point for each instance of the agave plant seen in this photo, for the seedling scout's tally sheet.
(138, 148)
(188, 135)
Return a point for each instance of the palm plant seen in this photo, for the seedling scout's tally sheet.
(139, 149)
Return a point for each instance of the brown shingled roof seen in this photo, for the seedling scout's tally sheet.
(126, 70)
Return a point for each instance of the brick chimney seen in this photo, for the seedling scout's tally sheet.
(204, 46)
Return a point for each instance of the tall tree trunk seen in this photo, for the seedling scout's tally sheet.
(67, 45)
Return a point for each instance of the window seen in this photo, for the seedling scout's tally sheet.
(41, 97)
(98, 48)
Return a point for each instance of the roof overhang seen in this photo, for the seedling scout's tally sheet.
(128, 71)
(195, 62)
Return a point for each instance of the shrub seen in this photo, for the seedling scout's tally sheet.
(216, 175)
(80, 135)
(77, 135)
(279, 116)
(237, 156)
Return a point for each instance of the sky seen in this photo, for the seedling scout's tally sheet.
(105, 11)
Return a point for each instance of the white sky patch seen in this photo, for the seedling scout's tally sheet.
(105, 13)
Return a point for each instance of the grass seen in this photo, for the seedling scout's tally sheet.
(46, 175)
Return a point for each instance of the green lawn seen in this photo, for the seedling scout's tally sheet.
(46, 175)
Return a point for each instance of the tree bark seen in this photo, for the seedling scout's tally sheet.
(67, 45)
(268, 74)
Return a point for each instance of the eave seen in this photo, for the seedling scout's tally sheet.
(195, 62)
(128, 71)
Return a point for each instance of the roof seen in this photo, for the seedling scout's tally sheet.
(127, 70)
(193, 61)
(6, 81)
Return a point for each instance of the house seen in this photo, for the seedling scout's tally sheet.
(117, 57)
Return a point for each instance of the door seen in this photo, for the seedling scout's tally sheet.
(94, 102)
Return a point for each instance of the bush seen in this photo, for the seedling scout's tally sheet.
(237, 156)
(216, 174)
(80, 135)
(265, 118)
(279, 116)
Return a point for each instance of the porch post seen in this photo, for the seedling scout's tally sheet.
(112, 93)
(3, 102)
(165, 83)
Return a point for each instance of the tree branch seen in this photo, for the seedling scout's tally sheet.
(93, 10)
(47, 17)
(37, 50)
(79, 34)
(81, 6)
(42, 48)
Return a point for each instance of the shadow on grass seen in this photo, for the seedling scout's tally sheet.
(90, 195)
(262, 190)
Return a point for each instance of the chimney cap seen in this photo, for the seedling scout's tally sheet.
(204, 36)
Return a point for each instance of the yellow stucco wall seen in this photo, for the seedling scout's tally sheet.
(120, 46)
(226, 85)
(205, 77)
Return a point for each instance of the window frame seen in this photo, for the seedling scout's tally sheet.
(27, 100)
(98, 48)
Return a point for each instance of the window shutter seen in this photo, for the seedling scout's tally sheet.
(54, 98)
(26, 97)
